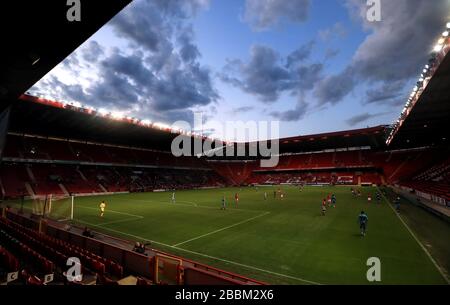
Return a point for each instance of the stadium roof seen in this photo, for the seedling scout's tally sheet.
(425, 117)
(428, 121)
(42, 37)
(37, 116)
(373, 137)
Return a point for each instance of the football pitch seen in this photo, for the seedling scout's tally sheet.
(279, 241)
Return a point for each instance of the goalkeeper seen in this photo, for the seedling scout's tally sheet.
(102, 208)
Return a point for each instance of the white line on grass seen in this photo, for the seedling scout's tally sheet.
(100, 225)
(221, 229)
(112, 211)
(119, 221)
(416, 239)
(191, 204)
(209, 256)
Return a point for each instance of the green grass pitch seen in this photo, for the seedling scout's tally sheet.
(278, 241)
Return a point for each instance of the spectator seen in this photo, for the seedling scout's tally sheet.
(87, 233)
(139, 248)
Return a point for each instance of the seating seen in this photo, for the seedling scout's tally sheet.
(8, 262)
(45, 251)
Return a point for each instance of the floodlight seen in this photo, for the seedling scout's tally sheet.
(117, 115)
(437, 48)
(103, 111)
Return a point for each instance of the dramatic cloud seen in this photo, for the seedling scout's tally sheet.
(151, 65)
(263, 75)
(262, 14)
(92, 52)
(400, 44)
(54, 87)
(360, 118)
(150, 23)
(188, 50)
(160, 77)
(267, 75)
(394, 51)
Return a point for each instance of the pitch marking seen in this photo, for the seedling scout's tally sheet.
(191, 204)
(222, 229)
(112, 211)
(212, 257)
(119, 221)
(416, 239)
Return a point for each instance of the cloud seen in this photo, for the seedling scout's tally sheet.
(262, 14)
(338, 30)
(332, 89)
(188, 50)
(242, 109)
(267, 75)
(387, 93)
(307, 76)
(400, 44)
(92, 52)
(72, 63)
(300, 54)
(360, 118)
(263, 75)
(158, 77)
(331, 53)
(295, 114)
(394, 51)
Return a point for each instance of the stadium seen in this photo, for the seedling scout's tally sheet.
(105, 192)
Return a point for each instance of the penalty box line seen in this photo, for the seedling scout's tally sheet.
(100, 225)
(209, 256)
(221, 229)
(112, 211)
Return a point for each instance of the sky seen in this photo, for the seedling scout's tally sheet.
(313, 65)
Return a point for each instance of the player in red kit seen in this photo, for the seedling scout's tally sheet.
(236, 199)
(324, 206)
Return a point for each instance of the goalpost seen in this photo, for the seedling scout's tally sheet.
(58, 207)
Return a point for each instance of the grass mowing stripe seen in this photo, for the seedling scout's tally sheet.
(221, 229)
(207, 256)
(416, 239)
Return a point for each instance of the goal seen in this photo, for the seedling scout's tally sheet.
(57, 207)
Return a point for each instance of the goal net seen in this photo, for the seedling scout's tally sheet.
(56, 207)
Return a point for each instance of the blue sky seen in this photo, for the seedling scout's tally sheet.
(313, 65)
